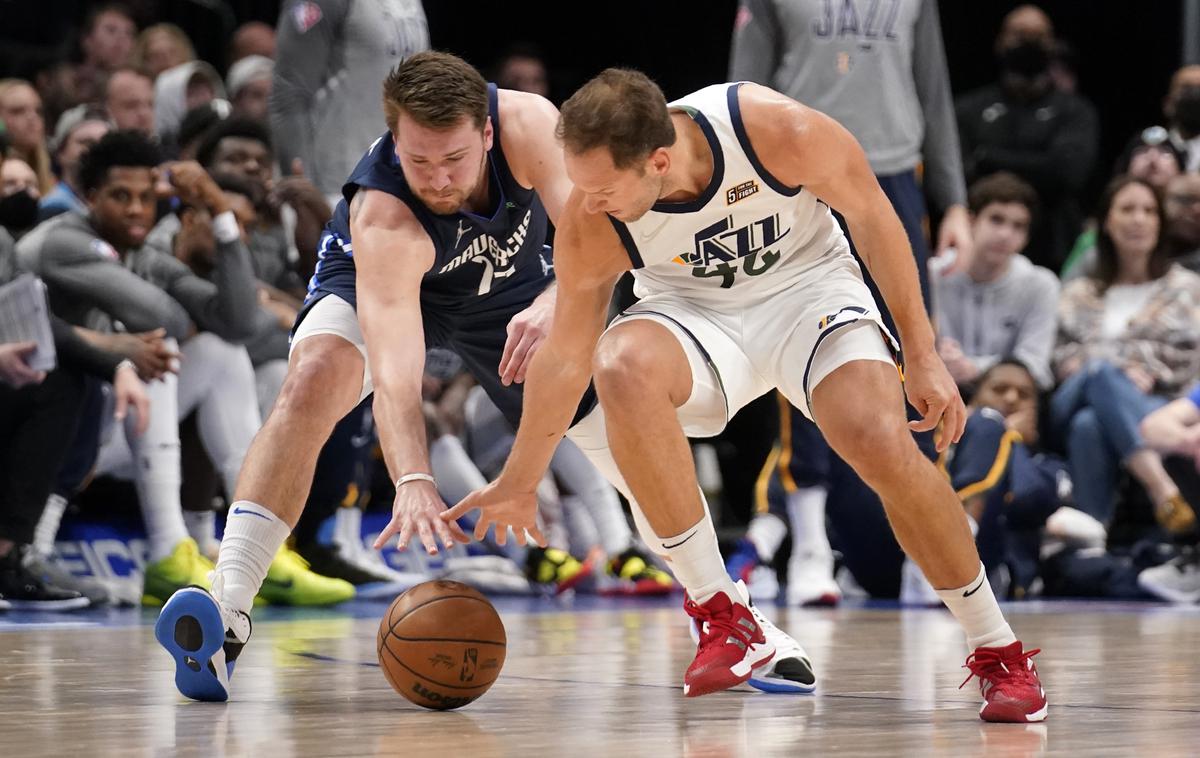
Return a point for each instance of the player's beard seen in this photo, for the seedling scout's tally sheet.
(453, 200)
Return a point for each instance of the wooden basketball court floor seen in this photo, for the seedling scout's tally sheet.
(597, 677)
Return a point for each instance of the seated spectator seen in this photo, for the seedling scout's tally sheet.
(1175, 429)
(196, 124)
(161, 47)
(1024, 125)
(252, 38)
(18, 196)
(522, 68)
(177, 90)
(1002, 305)
(1182, 207)
(1151, 156)
(241, 147)
(249, 87)
(77, 130)
(1182, 109)
(1127, 342)
(106, 42)
(96, 267)
(21, 112)
(129, 100)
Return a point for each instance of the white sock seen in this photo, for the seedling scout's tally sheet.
(47, 525)
(253, 535)
(695, 560)
(806, 511)
(766, 533)
(157, 475)
(202, 527)
(978, 613)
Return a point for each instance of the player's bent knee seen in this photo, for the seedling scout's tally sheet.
(636, 358)
(323, 382)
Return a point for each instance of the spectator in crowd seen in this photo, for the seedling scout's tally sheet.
(1025, 125)
(252, 38)
(1182, 109)
(18, 196)
(129, 100)
(242, 148)
(1127, 342)
(106, 43)
(1175, 429)
(249, 87)
(39, 411)
(522, 68)
(161, 47)
(356, 44)
(56, 85)
(77, 130)
(21, 112)
(97, 266)
(1002, 305)
(1183, 219)
(196, 124)
(177, 90)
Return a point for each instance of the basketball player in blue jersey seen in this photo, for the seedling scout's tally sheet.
(438, 241)
(720, 204)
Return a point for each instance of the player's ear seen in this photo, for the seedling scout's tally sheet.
(488, 133)
(659, 162)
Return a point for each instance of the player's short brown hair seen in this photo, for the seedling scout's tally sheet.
(621, 110)
(437, 90)
(1002, 187)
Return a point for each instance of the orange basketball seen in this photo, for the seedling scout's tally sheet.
(441, 644)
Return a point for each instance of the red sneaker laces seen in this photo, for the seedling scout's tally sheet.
(718, 628)
(987, 663)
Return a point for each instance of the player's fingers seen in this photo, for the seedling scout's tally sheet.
(121, 407)
(510, 344)
(524, 368)
(961, 411)
(501, 533)
(425, 531)
(462, 508)
(386, 535)
(930, 417)
(457, 532)
(517, 359)
(141, 407)
(481, 528)
(443, 533)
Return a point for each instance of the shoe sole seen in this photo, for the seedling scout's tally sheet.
(191, 629)
(778, 685)
(1005, 716)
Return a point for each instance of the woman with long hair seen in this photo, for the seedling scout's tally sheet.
(21, 112)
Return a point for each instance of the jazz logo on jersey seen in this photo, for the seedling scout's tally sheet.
(496, 258)
(741, 192)
(721, 249)
(850, 313)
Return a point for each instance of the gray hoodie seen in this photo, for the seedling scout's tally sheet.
(1011, 317)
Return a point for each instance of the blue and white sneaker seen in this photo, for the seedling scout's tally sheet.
(790, 671)
(204, 638)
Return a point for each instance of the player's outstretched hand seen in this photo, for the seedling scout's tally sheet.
(932, 391)
(415, 511)
(503, 506)
(526, 333)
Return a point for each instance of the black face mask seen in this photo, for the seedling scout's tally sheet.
(1027, 60)
(18, 211)
(1187, 109)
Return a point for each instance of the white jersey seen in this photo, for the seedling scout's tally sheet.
(747, 236)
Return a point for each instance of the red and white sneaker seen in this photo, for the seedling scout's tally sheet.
(1008, 681)
(731, 645)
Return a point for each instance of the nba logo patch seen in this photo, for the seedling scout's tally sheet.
(103, 249)
(306, 15)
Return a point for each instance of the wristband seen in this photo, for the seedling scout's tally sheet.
(225, 227)
(123, 364)
(415, 478)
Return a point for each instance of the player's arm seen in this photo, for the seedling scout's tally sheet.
(536, 160)
(392, 252)
(589, 260)
(803, 147)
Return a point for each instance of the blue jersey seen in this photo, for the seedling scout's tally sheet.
(486, 268)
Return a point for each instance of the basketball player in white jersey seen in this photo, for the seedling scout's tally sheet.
(720, 203)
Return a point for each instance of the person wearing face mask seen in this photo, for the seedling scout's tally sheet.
(1182, 109)
(1024, 124)
(1127, 342)
(18, 193)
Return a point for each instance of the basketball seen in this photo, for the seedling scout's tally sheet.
(441, 644)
